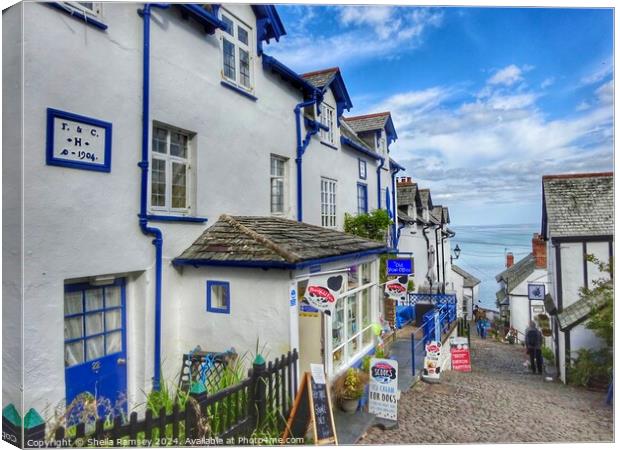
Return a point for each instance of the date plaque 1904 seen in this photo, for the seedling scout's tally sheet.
(78, 142)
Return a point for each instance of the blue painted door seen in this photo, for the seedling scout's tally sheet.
(95, 350)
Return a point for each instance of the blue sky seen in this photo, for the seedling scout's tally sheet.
(485, 100)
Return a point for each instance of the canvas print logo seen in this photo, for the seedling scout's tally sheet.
(383, 373)
(397, 289)
(323, 298)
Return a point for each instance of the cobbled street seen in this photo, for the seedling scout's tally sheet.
(498, 402)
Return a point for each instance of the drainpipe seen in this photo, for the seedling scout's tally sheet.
(428, 246)
(395, 234)
(437, 254)
(301, 147)
(443, 264)
(379, 182)
(144, 167)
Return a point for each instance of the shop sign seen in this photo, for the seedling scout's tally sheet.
(396, 289)
(399, 266)
(432, 361)
(383, 391)
(460, 355)
(322, 293)
(536, 291)
(78, 142)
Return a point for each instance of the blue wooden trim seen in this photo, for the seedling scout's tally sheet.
(365, 186)
(204, 17)
(359, 148)
(93, 311)
(276, 264)
(326, 144)
(359, 168)
(238, 90)
(189, 219)
(213, 309)
(51, 160)
(79, 15)
(269, 62)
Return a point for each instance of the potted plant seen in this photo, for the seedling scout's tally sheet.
(349, 388)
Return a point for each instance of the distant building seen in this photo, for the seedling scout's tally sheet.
(522, 289)
(577, 221)
(467, 288)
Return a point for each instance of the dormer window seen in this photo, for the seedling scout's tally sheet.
(328, 117)
(236, 53)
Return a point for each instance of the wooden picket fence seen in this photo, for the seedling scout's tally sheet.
(233, 413)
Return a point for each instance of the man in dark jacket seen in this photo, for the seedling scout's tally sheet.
(533, 343)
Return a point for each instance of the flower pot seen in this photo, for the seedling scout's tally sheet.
(349, 406)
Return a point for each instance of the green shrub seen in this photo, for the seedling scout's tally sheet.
(548, 355)
(373, 225)
(590, 367)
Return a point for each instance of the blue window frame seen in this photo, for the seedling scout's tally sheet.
(218, 297)
(362, 169)
(362, 198)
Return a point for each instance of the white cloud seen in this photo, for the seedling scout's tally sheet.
(369, 32)
(605, 92)
(583, 106)
(547, 82)
(599, 73)
(507, 76)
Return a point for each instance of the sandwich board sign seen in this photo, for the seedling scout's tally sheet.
(312, 406)
(383, 391)
(432, 361)
(459, 355)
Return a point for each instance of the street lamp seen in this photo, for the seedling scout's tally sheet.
(457, 253)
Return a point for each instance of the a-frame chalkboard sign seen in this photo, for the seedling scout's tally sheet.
(312, 406)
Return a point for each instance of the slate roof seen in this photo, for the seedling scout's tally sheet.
(578, 311)
(270, 241)
(425, 198)
(407, 194)
(578, 205)
(369, 122)
(347, 131)
(518, 272)
(436, 213)
(321, 78)
(500, 295)
(446, 214)
(402, 217)
(468, 279)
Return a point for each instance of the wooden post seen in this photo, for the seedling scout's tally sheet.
(259, 403)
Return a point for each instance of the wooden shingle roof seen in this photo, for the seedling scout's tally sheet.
(578, 205)
(271, 242)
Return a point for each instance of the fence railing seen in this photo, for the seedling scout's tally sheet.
(263, 398)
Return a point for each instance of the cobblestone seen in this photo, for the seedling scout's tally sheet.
(498, 402)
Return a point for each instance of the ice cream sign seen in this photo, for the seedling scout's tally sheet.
(322, 293)
(396, 289)
(78, 142)
(383, 393)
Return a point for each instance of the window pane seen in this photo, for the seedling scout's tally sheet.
(218, 296)
(244, 67)
(277, 195)
(112, 296)
(178, 145)
(113, 319)
(94, 323)
(277, 167)
(160, 138)
(230, 28)
(114, 342)
(338, 324)
(94, 299)
(367, 337)
(365, 307)
(366, 273)
(229, 60)
(74, 353)
(242, 35)
(94, 348)
(353, 277)
(73, 302)
(179, 185)
(338, 358)
(73, 328)
(352, 319)
(352, 347)
(158, 182)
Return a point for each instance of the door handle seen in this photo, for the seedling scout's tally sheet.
(121, 361)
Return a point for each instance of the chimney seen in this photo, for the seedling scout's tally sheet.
(404, 181)
(510, 259)
(539, 250)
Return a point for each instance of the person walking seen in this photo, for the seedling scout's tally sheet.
(477, 319)
(533, 344)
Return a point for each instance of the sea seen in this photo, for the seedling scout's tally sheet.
(483, 252)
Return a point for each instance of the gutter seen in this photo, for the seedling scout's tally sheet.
(379, 182)
(158, 240)
(302, 145)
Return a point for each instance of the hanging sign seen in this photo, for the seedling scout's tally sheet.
(312, 406)
(399, 266)
(78, 142)
(322, 293)
(536, 291)
(460, 356)
(383, 391)
(396, 289)
(432, 361)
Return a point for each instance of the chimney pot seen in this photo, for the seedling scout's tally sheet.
(510, 260)
(539, 250)
(404, 181)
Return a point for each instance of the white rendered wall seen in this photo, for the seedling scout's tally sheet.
(12, 190)
(412, 240)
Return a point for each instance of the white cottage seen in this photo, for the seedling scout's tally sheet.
(577, 221)
(138, 125)
(523, 286)
(467, 288)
